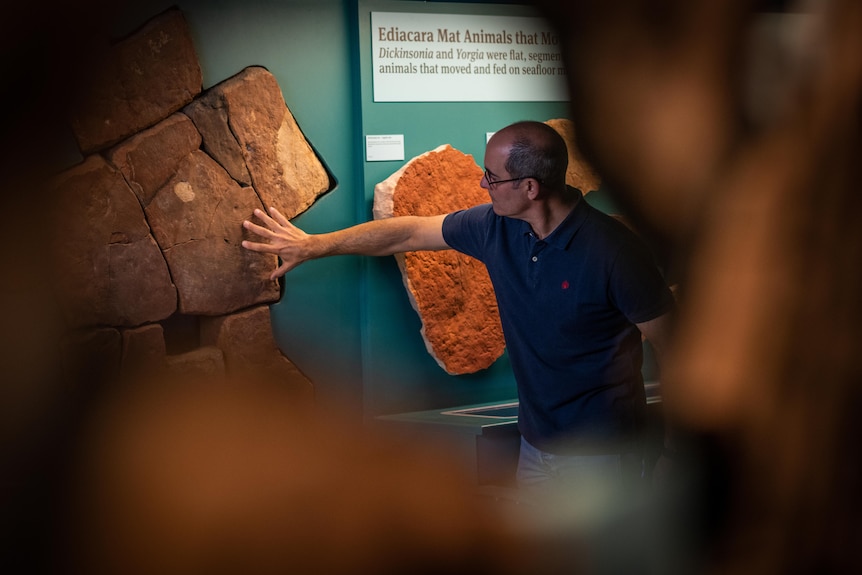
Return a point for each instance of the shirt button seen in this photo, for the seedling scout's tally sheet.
(535, 259)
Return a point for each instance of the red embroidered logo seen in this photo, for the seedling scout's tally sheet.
(565, 284)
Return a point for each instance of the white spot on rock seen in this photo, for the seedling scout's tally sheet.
(184, 191)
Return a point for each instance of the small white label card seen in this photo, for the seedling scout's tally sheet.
(384, 148)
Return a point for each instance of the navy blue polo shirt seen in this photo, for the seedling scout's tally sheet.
(568, 306)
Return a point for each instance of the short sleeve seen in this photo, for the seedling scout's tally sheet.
(637, 286)
(467, 230)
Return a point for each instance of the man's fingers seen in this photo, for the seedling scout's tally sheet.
(262, 216)
(278, 230)
(259, 230)
(278, 217)
(281, 270)
(258, 247)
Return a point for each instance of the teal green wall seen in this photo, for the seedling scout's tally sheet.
(398, 372)
(346, 322)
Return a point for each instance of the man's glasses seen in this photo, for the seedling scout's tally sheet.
(497, 182)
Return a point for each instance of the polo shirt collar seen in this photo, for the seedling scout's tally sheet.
(562, 235)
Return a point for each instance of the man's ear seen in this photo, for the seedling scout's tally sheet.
(533, 188)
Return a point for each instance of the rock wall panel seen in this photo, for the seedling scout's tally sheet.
(140, 81)
(146, 231)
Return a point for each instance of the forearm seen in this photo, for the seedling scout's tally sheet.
(374, 238)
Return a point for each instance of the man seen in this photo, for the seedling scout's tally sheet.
(576, 291)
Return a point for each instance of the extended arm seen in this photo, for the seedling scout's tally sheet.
(374, 238)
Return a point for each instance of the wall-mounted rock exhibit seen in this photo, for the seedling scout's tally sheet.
(150, 273)
(450, 291)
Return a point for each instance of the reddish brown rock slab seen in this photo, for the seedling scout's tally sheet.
(210, 115)
(140, 81)
(140, 280)
(148, 159)
(93, 205)
(247, 127)
(450, 291)
(107, 268)
(250, 349)
(197, 220)
(203, 362)
(144, 350)
(579, 173)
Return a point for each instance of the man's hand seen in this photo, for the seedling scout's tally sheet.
(285, 240)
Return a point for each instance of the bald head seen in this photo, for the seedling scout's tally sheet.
(535, 150)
